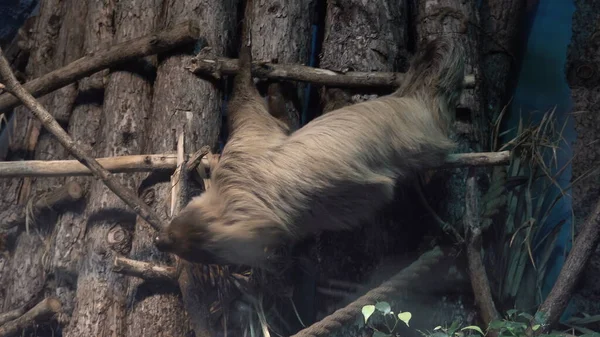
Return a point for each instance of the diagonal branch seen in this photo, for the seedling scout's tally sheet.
(132, 200)
(558, 298)
(124, 52)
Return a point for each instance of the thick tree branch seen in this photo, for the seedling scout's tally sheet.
(275, 71)
(132, 200)
(181, 34)
(479, 280)
(43, 310)
(168, 162)
(65, 194)
(558, 298)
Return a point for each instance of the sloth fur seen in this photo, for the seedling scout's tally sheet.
(270, 189)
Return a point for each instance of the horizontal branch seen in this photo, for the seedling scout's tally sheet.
(181, 34)
(168, 162)
(295, 72)
(63, 168)
(477, 159)
(144, 270)
(65, 194)
(42, 311)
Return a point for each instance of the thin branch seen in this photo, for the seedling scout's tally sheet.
(477, 159)
(144, 270)
(168, 162)
(558, 298)
(65, 194)
(194, 298)
(76, 150)
(276, 71)
(181, 34)
(479, 279)
(42, 311)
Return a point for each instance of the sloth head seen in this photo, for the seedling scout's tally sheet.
(198, 236)
(187, 236)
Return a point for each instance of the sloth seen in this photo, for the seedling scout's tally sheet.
(272, 188)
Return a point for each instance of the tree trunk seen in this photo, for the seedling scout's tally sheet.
(32, 257)
(582, 75)
(281, 31)
(142, 107)
(133, 109)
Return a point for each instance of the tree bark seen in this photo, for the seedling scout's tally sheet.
(58, 40)
(281, 31)
(582, 75)
(182, 102)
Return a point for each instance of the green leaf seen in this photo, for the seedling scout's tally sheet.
(535, 327)
(384, 307)
(380, 334)
(473, 327)
(367, 311)
(437, 328)
(511, 312)
(405, 317)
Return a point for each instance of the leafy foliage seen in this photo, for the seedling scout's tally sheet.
(386, 316)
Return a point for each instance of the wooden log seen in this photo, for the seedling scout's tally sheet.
(168, 162)
(68, 193)
(180, 34)
(295, 72)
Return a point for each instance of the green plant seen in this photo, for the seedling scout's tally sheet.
(388, 318)
(521, 251)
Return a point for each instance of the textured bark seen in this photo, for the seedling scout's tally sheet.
(362, 36)
(57, 38)
(582, 70)
(182, 102)
(100, 304)
(281, 30)
(503, 22)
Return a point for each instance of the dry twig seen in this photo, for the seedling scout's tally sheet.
(295, 72)
(132, 200)
(144, 270)
(168, 162)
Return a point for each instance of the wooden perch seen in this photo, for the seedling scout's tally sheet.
(479, 279)
(63, 195)
(168, 162)
(558, 298)
(132, 200)
(145, 270)
(181, 34)
(276, 71)
(42, 311)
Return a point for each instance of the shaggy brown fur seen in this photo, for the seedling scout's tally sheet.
(270, 189)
